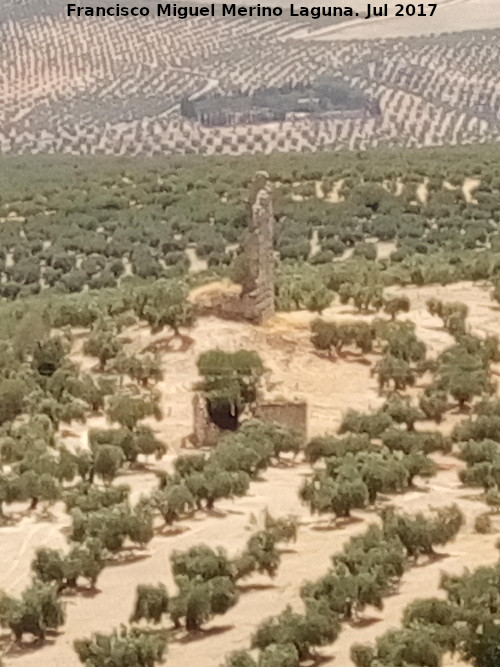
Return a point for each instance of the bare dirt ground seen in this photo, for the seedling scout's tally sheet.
(333, 195)
(330, 388)
(470, 184)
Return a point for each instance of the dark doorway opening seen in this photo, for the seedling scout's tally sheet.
(224, 415)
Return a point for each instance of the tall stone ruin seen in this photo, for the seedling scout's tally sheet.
(256, 303)
(257, 296)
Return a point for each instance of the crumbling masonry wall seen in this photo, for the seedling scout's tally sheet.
(205, 432)
(292, 414)
(258, 287)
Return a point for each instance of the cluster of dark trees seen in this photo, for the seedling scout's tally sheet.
(39, 382)
(200, 480)
(38, 610)
(461, 372)
(102, 517)
(69, 226)
(361, 282)
(207, 579)
(403, 355)
(127, 645)
(452, 314)
(478, 442)
(35, 466)
(373, 453)
(369, 457)
(325, 94)
(466, 622)
(368, 569)
(333, 337)
(207, 585)
(41, 387)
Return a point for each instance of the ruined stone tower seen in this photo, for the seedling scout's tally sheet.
(258, 287)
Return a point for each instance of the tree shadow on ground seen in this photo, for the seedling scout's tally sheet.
(317, 660)
(196, 635)
(413, 488)
(196, 515)
(456, 409)
(67, 433)
(287, 463)
(40, 515)
(360, 360)
(143, 466)
(126, 556)
(431, 559)
(165, 344)
(216, 513)
(248, 588)
(13, 518)
(286, 550)
(435, 327)
(18, 649)
(171, 531)
(473, 497)
(336, 524)
(448, 466)
(347, 357)
(222, 514)
(364, 621)
(44, 516)
(84, 591)
(359, 313)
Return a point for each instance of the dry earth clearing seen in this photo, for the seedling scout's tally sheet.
(330, 388)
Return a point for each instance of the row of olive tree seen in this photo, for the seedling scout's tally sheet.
(207, 585)
(368, 569)
(461, 624)
(200, 480)
(207, 579)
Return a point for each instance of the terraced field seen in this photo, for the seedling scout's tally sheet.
(113, 86)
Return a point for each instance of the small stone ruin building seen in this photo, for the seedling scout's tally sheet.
(290, 413)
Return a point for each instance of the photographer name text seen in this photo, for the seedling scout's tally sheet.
(175, 11)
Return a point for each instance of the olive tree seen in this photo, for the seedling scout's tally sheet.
(38, 610)
(126, 646)
(317, 627)
(165, 303)
(230, 382)
(151, 602)
(396, 304)
(198, 601)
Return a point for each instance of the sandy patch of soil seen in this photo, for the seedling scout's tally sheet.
(470, 184)
(422, 191)
(330, 389)
(334, 196)
(196, 263)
